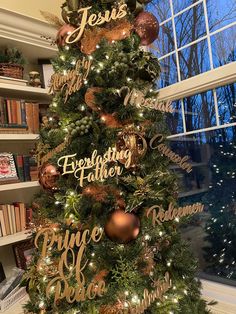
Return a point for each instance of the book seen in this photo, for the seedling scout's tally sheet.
(2, 223)
(13, 130)
(2, 117)
(6, 219)
(35, 118)
(29, 117)
(23, 113)
(22, 216)
(20, 167)
(10, 219)
(29, 215)
(13, 216)
(9, 115)
(8, 171)
(18, 113)
(11, 283)
(26, 167)
(13, 104)
(17, 215)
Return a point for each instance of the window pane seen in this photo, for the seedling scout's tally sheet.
(182, 4)
(194, 60)
(168, 71)
(221, 13)
(226, 97)
(175, 120)
(190, 25)
(224, 47)
(200, 111)
(212, 182)
(161, 9)
(165, 42)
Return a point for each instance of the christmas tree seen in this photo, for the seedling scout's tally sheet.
(106, 224)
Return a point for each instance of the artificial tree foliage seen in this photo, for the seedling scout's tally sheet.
(116, 67)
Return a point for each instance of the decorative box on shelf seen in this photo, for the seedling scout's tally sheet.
(17, 294)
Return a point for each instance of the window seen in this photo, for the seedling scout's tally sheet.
(196, 36)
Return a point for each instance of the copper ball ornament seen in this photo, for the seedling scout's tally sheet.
(62, 34)
(146, 26)
(48, 176)
(122, 227)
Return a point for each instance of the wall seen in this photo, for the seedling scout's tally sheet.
(31, 7)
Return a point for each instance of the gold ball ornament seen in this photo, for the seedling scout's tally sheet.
(62, 34)
(122, 227)
(135, 142)
(48, 176)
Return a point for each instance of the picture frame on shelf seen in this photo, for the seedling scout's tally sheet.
(8, 173)
(47, 71)
(23, 253)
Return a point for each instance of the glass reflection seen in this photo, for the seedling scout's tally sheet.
(200, 111)
(212, 182)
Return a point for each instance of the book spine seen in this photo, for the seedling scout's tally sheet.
(13, 217)
(18, 107)
(36, 118)
(20, 167)
(10, 218)
(22, 216)
(29, 215)
(23, 113)
(29, 116)
(5, 112)
(9, 111)
(26, 167)
(2, 118)
(17, 215)
(4, 233)
(6, 219)
(14, 111)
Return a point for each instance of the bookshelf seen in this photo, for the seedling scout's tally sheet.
(25, 92)
(18, 137)
(14, 238)
(19, 185)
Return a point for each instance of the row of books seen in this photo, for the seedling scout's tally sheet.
(26, 167)
(14, 218)
(18, 116)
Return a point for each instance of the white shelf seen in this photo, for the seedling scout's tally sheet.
(18, 137)
(25, 92)
(17, 186)
(14, 238)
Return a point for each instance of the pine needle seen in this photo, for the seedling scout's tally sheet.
(52, 19)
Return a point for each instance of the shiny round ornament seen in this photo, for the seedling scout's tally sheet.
(62, 34)
(48, 176)
(147, 27)
(122, 227)
(135, 142)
